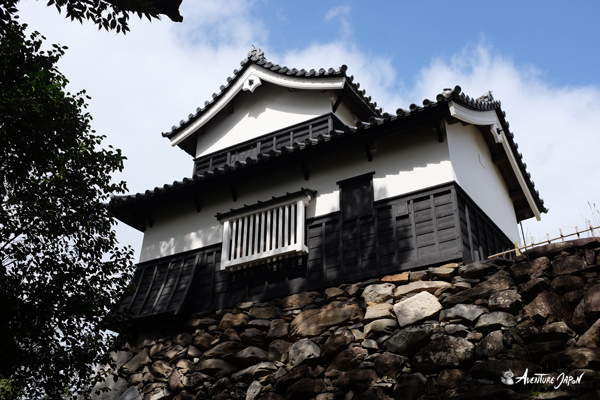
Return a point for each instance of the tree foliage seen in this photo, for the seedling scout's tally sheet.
(61, 269)
(105, 14)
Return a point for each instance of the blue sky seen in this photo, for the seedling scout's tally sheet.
(540, 59)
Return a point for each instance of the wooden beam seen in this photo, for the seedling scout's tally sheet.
(500, 159)
(234, 195)
(516, 195)
(305, 170)
(150, 220)
(336, 104)
(367, 148)
(438, 130)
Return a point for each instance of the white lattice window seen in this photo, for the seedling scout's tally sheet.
(265, 231)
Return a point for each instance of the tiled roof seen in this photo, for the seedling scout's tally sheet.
(442, 100)
(257, 57)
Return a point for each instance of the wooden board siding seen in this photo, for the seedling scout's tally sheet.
(299, 135)
(417, 230)
(479, 235)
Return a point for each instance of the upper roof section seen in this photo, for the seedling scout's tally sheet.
(255, 71)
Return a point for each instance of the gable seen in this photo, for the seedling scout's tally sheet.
(252, 114)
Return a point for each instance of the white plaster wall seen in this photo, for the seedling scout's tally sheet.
(414, 161)
(479, 177)
(269, 108)
(345, 115)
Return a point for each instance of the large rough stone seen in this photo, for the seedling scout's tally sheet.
(304, 351)
(548, 304)
(305, 389)
(263, 369)
(175, 382)
(253, 390)
(194, 379)
(185, 365)
(591, 301)
(481, 291)
(224, 348)
(506, 300)
(268, 312)
(421, 286)
(314, 322)
(573, 358)
(378, 293)
(555, 331)
(337, 342)
(377, 311)
(235, 321)
(161, 370)
(495, 320)
(410, 340)
(566, 283)
(532, 288)
(380, 327)
(416, 308)
(252, 355)
(203, 341)
(446, 271)
(469, 312)
(389, 364)
(397, 279)
(358, 380)
(200, 323)
(348, 359)
(568, 265)
(591, 338)
(450, 378)
(141, 359)
(480, 269)
(159, 394)
(298, 300)
(410, 387)
(278, 350)
(333, 293)
(215, 365)
(279, 329)
(524, 270)
(444, 351)
(183, 339)
(253, 337)
(491, 346)
(286, 380)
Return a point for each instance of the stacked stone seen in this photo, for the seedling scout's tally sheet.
(447, 332)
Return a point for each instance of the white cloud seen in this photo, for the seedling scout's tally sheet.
(341, 13)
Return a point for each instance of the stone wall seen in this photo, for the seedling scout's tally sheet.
(447, 332)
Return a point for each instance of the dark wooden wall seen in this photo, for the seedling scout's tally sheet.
(412, 231)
